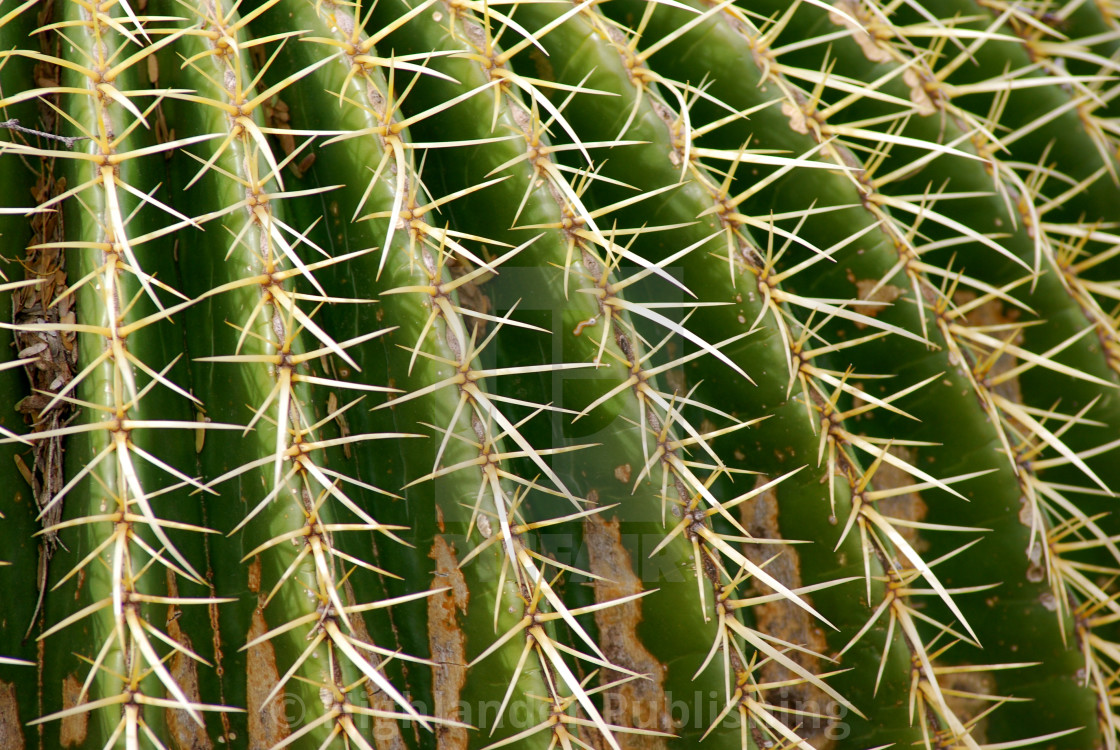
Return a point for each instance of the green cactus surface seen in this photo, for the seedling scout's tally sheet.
(601, 374)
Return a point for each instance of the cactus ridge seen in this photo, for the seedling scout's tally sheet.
(582, 374)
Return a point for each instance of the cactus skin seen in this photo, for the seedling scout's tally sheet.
(617, 374)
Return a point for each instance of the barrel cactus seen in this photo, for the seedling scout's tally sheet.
(616, 374)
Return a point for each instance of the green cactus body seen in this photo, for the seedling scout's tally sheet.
(551, 374)
(945, 404)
